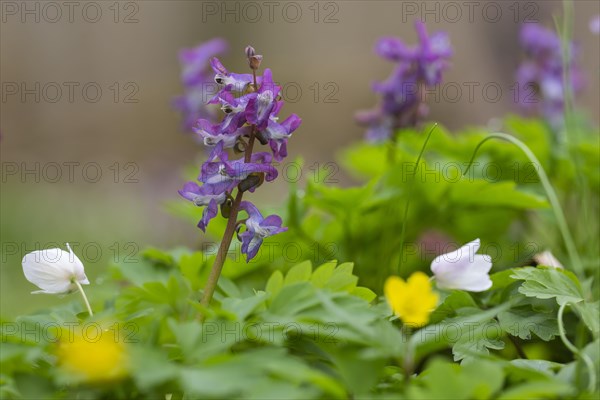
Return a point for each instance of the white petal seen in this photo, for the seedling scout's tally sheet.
(463, 269)
(455, 259)
(475, 282)
(53, 269)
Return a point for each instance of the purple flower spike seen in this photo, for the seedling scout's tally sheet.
(394, 49)
(257, 229)
(540, 41)
(263, 102)
(434, 52)
(203, 196)
(250, 119)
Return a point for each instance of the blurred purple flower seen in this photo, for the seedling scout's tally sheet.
(595, 25)
(257, 229)
(197, 80)
(417, 66)
(540, 76)
(195, 61)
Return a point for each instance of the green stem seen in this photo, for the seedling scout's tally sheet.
(550, 193)
(409, 197)
(408, 363)
(85, 300)
(517, 346)
(215, 272)
(586, 359)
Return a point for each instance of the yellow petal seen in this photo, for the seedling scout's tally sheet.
(395, 292)
(419, 282)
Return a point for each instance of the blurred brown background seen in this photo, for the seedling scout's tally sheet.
(129, 50)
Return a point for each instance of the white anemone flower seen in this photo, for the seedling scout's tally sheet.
(463, 269)
(55, 271)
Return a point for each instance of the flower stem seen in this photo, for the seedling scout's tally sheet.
(586, 359)
(550, 193)
(85, 300)
(215, 273)
(517, 346)
(217, 267)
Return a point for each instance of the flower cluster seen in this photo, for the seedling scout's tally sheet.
(462, 269)
(542, 73)
(417, 67)
(197, 81)
(251, 105)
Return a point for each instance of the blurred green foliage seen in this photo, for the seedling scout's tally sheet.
(295, 324)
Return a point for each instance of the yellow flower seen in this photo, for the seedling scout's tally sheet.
(412, 301)
(92, 358)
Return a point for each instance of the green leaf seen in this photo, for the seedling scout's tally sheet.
(479, 192)
(158, 256)
(537, 390)
(456, 300)
(293, 299)
(243, 307)
(442, 380)
(298, 273)
(228, 287)
(478, 342)
(468, 330)
(323, 273)
(275, 283)
(342, 278)
(521, 322)
(152, 367)
(364, 293)
(191, 266)
(590, 314)
(366, 160)
(547, 283)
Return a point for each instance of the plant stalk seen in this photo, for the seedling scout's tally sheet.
(586, 359)
(550, 194)
(85, 300)
(217, 267)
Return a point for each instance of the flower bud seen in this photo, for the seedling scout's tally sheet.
(226, 208)
(255, 61)
(253, 58)
(240, 146)
(260, 135)
(252, 181)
